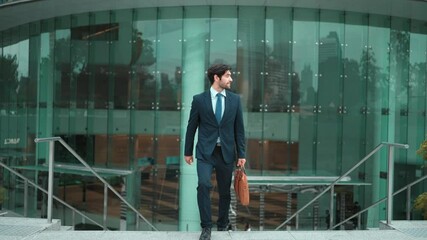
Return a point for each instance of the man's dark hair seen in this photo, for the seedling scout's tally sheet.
(217, 69)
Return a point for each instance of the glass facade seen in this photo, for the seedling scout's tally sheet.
(320, 89)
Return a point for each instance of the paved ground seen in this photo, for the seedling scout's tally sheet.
(12, 228)
(270, 235)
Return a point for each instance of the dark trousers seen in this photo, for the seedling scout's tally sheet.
(224, 172)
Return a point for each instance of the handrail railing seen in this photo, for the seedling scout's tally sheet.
(408, 203)
(51, 141)
(14, 2)
(331, 186)
(28, 181)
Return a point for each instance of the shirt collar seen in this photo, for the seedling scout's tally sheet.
(214, 92)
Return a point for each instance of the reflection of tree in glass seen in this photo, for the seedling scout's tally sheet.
(8, 77)
(369, 68)
(137, 49)
(399, 63)
(63, 58)
(142, 51)
(354, 87)
(417, 76)
(399, 45)
(142, 57)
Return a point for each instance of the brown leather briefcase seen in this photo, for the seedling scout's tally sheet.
(241, 186)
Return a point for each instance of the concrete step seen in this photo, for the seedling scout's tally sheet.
(236, 235)
(416, 229)
(67, 228)
(18, 227)
(39, 229)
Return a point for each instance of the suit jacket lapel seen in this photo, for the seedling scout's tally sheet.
(227, 106)
(208, 104)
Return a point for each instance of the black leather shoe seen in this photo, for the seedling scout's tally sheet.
(206, 234)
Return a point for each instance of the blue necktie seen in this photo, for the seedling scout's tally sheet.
(218, 109)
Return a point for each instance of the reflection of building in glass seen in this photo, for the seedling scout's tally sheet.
(276, 84)
(329, 47)
(330, 72)
(307, 84)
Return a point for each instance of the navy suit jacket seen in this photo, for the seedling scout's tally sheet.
(230, 129)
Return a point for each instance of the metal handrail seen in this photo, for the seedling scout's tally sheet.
(14, 2)
(28, 181)
(408, 202)
(331, 186)
(51, 141)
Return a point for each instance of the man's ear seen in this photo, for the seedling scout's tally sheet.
(216, 77)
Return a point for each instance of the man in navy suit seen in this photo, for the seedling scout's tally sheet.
(217, 113)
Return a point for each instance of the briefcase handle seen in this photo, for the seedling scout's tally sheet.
(240, 168)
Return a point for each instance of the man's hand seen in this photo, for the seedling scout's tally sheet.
(189, 159)
(241, 162)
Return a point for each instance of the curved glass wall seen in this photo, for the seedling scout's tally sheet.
(320, 89)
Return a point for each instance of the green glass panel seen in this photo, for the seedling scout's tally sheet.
(305, 57)
(354, 91)
(168, 83)
(64, 109)
(399, 78)
(169, 53)
(250, 81)
(223, 37)
(31, 106)
(329, 125)
(10, 76)
(305, 63)
(144, 68)
(81, 108)
(97, 36)
(354, 111)
(45, 84)
(143, 84)
(33, 78)
(399, 75)
(15, 140)
(121, 57)
(377, 74)
(119, 116)
(99, 60)
(22, 90)
(281, 93)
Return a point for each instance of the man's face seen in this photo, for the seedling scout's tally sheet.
(226, 80)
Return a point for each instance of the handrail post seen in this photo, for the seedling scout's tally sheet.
(297, 222)
(408, 203)
(105, 205)
(261, 211)
(73, 218)
(331, 208)
(390, 180)
(25, 198)
(50, 182)
(359, 221)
